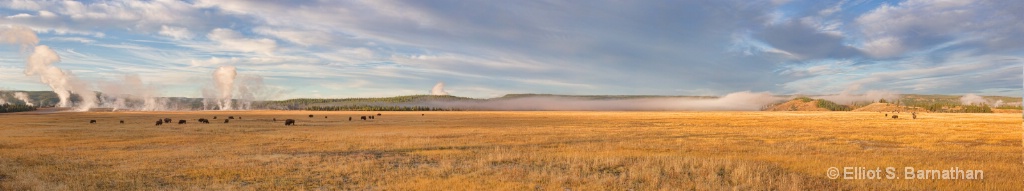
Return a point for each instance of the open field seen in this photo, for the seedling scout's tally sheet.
(502, 150)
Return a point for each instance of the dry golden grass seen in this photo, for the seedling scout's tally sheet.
(501, 151)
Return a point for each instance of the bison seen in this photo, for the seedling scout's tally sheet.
(289, 122)
(167, 120)
(325, 117)
(231, 117)
(122, 121)
(275, 119)
(887, 115)
(371, 117)
(378, 114)
(362, 117)
(181, 122)
(159, 122)
(350, 118)
(214, 117)
(92, 121)
(226, 120)
(310, 116)
(204, 120)
(895, 116)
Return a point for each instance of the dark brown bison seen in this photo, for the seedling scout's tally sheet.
(887, 115)
(204, 120)
(310, 116)
(325, 117)
(226, 120)
(362, 117)
(350, 118)
(231, 117)
(378, 114)
(895, 116)
(289, 122)
(181, 122)
(122, 121)
(159, 122)
(275, 119)
(92, 121)
(167, 120)
(214, 117)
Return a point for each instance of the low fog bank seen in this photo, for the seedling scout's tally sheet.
(738, 101)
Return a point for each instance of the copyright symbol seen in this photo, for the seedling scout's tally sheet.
(833, 172)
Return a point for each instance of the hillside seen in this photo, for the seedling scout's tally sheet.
(888, 107)
(797, 105)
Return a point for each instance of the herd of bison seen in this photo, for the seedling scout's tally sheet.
(287, 122)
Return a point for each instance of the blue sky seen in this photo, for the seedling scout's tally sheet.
(491, 48)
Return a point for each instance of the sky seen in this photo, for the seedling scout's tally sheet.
(482, 49)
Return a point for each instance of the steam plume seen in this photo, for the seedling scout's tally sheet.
(23, 97)
(224, 79)
(971, 99)
(438, 89)
(40, 63)
(18, 35)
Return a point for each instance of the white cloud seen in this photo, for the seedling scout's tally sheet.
(47, 14)
(892, 30)
(20, 16)
(232, 40)
(175, 32)
(301, 37)
(884, 47)
(73, 39)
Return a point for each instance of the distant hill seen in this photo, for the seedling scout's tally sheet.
(905, 102)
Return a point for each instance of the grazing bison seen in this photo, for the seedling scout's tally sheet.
(92, 121)
(895, 116)
(275, 119)
(325, 117)
(887, 115)
(378, 114)
(289, 122)
(226, 120)
(159, 122)
(362, 117)
(231, 117)
(350, 118)
(310, 116)
(214, 117)
(204, 120)
(181, 122)
(167, 120)
(122, 121)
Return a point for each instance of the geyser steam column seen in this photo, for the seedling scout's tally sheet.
(224, 77)
(438, 89)
(40, 63)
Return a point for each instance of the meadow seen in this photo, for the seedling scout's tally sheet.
(474, 150)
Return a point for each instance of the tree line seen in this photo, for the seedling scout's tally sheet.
(4, 108)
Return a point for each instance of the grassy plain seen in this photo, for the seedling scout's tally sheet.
(502, 150)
